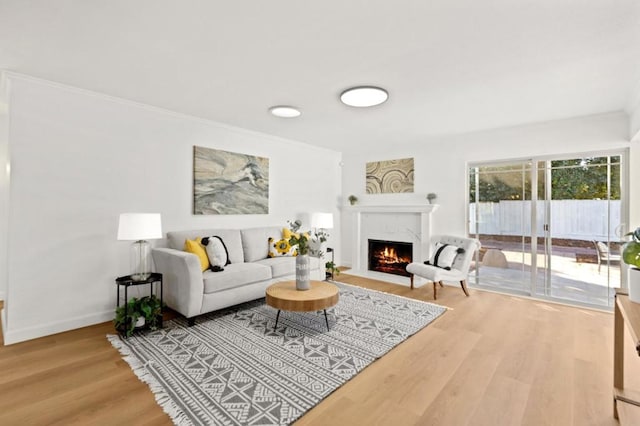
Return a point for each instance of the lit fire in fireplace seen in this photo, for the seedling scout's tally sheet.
(389, 256)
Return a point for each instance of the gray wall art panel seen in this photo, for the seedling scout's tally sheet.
(392, 176)
(229, 183)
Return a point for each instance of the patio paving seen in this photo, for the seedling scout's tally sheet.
(572, 280)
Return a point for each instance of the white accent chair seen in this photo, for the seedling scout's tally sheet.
(459, 269)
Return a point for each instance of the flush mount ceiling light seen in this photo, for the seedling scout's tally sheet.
(364, 96)
(285, 111)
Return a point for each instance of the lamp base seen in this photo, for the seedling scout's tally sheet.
(140, 268)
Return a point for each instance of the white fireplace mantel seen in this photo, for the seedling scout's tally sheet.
(386, 219)
(417, 208)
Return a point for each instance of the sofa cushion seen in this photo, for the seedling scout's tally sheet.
(216, 251)
(196, 247)
(255, 242)
(282, 266)
(231, 238)
(281, 247)
(235, 275)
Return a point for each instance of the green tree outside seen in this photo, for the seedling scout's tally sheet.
(575, 179)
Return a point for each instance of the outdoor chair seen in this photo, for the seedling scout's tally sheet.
(438, 272)
(604, 255)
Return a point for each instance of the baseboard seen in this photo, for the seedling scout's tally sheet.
(28, 333)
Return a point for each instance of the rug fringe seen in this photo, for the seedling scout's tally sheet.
(140, 370)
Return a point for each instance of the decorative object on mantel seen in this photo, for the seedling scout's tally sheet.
(390, 177)
(431, 196)
(139, 227)
(233, 368)
(353, 199)
(229, 183)
(631, 256)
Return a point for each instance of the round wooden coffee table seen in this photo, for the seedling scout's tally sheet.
(284, 296)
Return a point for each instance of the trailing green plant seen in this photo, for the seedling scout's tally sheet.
(332, 268)
(147, 307)
(631, 249)
(151, 309)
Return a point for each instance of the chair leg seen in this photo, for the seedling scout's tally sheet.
(463, 284)
(435, 296)
(441, 285)
(411, 278)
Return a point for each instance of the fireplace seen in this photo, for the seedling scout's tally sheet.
(391, 257)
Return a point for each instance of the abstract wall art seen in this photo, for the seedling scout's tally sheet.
(391, 176)
(229, 183)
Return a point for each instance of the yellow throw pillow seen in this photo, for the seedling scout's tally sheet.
(280, 248)
(196, 247)
(286, 234)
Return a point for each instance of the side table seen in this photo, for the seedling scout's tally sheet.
(626, 404)
(127, 281)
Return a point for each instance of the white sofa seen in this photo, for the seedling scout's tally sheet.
(192, 292)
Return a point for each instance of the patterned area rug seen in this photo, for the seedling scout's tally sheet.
(232, 368)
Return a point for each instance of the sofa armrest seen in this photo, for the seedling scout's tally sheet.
(182, 280)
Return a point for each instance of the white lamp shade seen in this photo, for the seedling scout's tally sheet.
(139, 226)
(322, 220)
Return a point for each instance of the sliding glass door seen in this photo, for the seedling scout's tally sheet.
(549, 228)
(500, 217)
(582, 219)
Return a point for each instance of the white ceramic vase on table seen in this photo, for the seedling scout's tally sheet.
(303, 281)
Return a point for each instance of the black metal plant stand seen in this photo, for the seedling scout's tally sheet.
(128, 281)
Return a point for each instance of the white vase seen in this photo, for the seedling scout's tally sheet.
(303, 282)
(634, 284)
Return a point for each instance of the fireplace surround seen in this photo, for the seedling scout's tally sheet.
(389, 222)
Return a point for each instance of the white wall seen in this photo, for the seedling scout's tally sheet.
(78, 159)
(4, 183)
(440, 163)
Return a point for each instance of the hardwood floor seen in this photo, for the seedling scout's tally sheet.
(492, 360)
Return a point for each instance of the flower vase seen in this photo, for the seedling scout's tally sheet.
(303, 281)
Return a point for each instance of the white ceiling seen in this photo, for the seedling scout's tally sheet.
(450, 66)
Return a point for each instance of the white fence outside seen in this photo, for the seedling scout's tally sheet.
(570, 219)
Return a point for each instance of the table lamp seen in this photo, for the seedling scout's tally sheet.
(139, 227)
(322, 220)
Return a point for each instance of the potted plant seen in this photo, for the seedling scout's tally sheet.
(353, 199)
(431, 196)
(631, 256)
(301, 239)
(331, 269)
(309, 243)
(146, 311)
